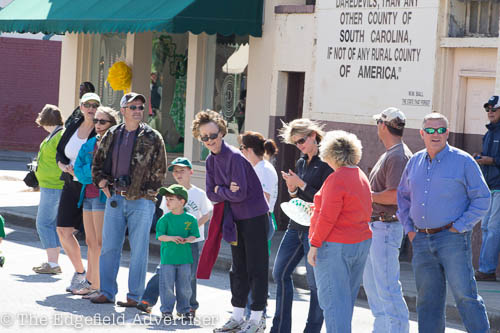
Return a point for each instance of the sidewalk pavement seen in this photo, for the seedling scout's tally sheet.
(19, 204)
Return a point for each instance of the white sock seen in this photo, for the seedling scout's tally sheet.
(255, 316)
(53, 264)
(238, 313)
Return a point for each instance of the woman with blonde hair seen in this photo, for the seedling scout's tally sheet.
(339, 235)
(310, 173)
(93, 201)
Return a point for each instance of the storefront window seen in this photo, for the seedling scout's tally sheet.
(226, 77)
(106, 50)
(168, 88)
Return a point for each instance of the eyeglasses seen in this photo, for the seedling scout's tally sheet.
(301, 141)
(440, 130)
(212, 136)
(491, 109)
(242, 147)
(91, 105)
(379, 121)
(135, 107)
(101, 121)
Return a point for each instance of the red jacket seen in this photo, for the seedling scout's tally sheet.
(342, 208)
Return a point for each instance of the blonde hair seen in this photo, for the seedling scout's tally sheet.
(301, 126)
(205, 117)
(341, 147)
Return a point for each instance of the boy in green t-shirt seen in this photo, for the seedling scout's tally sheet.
(176, 230)
(2, 236)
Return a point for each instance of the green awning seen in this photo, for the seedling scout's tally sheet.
(226, 17)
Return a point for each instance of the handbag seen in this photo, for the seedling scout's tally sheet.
(30, 179)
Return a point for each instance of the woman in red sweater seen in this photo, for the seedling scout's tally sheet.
(339, 234)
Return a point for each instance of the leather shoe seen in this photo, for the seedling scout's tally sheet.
(101, 299)
(130, 303)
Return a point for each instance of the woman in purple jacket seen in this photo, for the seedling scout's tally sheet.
(231, 179)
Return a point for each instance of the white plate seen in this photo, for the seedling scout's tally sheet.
(298, 210)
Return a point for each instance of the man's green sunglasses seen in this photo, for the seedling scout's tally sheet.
(440, 130)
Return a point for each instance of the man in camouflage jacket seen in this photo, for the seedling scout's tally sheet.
(129, 166)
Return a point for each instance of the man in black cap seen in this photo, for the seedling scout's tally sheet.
(489, 160)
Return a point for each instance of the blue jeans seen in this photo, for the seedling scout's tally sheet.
(490, 226)
(381, 279)
(294, 246)
(339, 270)
(137, 215)
(152, 291)
(178, 276)
(93, 204)
(437, 258)
(194, 267)
(46, 217)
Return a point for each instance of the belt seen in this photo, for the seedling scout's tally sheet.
(435, 230)
(387, 219)
(122, 193)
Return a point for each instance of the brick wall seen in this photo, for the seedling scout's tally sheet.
(29, 79)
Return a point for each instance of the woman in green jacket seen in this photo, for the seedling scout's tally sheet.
(48, 174)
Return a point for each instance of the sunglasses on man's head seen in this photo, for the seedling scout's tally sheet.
(91, 105)
(135, 107)
(242, 147)
(490, 109)
(212, 136)
(440, 130)
(101, 121)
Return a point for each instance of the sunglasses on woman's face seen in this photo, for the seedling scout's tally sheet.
(91, 105)
(212, 136)
(301, 141)
(491, 109)
(101, 121)
(440, 130)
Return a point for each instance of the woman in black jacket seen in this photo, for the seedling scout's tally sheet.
(69, 216)
(310, 173)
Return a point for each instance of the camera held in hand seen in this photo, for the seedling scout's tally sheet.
(122, 182)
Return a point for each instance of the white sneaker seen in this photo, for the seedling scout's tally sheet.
(253, 327)
(232, 325)
(76, 280)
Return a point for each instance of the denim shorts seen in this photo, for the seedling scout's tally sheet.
(93, 204)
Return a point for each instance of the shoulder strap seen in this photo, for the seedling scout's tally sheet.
(57, 130)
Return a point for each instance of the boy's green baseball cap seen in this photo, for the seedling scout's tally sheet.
(175, 189)
(180, 161)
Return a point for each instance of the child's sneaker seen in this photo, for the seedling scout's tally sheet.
(167, 316)
(232, 325)
(144, 306)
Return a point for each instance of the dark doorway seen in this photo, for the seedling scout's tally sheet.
(288, 154)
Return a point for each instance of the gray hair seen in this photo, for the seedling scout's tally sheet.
(435, 116)
(301, 126)
(111, 113)
(341, 147)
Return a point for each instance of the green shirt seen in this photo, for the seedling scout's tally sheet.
(183, 225)
(47, 172)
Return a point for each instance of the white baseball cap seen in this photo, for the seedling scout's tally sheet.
(90, 97)
(393, 117)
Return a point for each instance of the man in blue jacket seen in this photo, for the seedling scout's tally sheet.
(489, 160)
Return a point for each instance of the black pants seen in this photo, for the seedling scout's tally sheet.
(250, 268)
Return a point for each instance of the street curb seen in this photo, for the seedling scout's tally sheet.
(223, 263)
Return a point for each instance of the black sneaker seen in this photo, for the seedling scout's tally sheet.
(480, 276)
(188, 315)
(144, 306)
(2, 261)
(167, 316)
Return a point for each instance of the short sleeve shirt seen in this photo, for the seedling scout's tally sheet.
(269, 180)
(197, 205)
(386, 175)
(183, 225)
